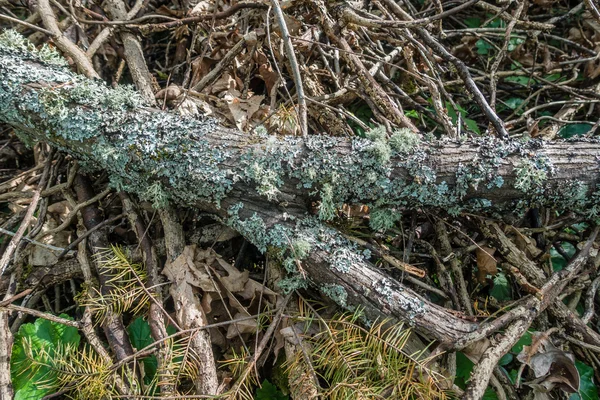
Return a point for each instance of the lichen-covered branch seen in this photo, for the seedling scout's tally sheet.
(263, 185)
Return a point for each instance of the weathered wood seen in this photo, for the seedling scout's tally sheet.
(263, 185)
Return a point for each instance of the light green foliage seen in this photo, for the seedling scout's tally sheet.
(301, 248)
(404, 141)
(336, 293)
(266, 179)
(530, 175)
(34, 348)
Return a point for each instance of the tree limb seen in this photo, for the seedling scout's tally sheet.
(263, 186)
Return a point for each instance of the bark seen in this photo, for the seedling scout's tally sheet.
(263, 186)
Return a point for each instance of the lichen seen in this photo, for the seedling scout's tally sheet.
(336, 293)
(13, 39)
(382, 219)
(380, 147)
(327, 209)
(157, 195)
(531, 174)
(404, 140)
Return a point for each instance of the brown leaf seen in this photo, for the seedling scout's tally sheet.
(486, 263)
(270, 77)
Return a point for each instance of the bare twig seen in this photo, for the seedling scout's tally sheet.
(63, 43)
(289, 49)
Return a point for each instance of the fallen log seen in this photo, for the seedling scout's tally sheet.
(263, 185)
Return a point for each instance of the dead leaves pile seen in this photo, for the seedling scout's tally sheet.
(208, 290)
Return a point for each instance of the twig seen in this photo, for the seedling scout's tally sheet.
(460, 66)
(100, 225)
(225, 61)
(25, 23)
(12, 246)
(261, 346)
(63, 43)
(289, 49)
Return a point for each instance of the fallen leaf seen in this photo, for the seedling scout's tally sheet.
(486, 263)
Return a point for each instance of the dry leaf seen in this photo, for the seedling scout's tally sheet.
(486, 263)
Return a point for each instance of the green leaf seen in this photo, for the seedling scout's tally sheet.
(496, 23)
(520, 79)
(483, 47)
(514, 102)
(490, 394)
(472, 125)
(139, 334)
(571, 130)
(412, 113)
(513, 43)
(525, 340)
(472, 22)
(32, 379)
(506, 359)
(501, 289)
(558, 261)
(268, 391)
(587, 387)
(553, 77)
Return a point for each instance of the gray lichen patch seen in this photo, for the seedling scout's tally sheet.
(336, 293)
(13, 39)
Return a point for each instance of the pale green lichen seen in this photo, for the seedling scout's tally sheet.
(336, 293)
(157, 195)
(267, 180)
(382, 219)
(380, 148)
(530, 174)
(404, 140)
(327, 208)
(13, 39)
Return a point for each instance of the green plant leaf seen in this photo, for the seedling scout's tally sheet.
(472, 22)
(587, 387)
(30, 378)
(513, 103)
(520, 79)
(483, 47)
(553, 77)
(525, 340)
(268, 391)
(139, 334)
(558, 261)
(412, 113)
(571, 130)
(472, 125)
(513, 43)
(501, 289)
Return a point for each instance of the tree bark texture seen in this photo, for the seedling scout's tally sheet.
(263, 185)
